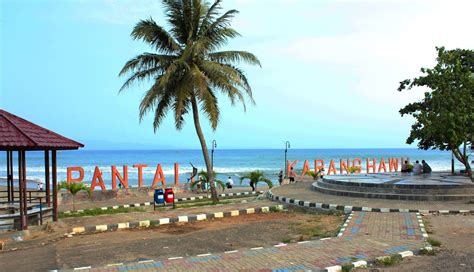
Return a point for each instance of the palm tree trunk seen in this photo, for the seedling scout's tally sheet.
(73, 203)
(205, 152)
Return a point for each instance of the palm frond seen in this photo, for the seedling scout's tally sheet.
(148, 31)
(230, 57)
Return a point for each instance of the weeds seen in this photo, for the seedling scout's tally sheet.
(389, 260)
(434, 242)
(99, 211)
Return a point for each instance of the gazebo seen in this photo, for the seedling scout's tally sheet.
(20, 135)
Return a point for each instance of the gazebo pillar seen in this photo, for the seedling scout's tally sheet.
(46, 177)
(55, 186)
(21, 185)
(9, 198)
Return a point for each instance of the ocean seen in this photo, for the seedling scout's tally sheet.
(227, 162)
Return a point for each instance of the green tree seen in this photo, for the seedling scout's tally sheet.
(73, 188)
(203, 177)
(444, 118)
(187, 71)
(255, 177)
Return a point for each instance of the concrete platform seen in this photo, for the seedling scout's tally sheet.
(400, 186)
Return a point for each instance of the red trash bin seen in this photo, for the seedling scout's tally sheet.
(169, 195)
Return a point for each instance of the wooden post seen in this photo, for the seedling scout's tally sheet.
(25, 202)
(20, 186)
(8, 177)
(12, 186)
(55, 186)
(46, 177)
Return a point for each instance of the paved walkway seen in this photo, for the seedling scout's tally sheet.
(303, 191)
(365, 237)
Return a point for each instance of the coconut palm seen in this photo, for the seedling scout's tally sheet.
(255, 177)
(73, 188)
(186, 70)
(203, 178)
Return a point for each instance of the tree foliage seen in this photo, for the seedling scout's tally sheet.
(203, 178)
(186, 69)
(73, 188)
(444, 118)
(255, 177)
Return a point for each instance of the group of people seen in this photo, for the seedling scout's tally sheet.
(417, 168)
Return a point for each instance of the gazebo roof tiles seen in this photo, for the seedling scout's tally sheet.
(19, 134)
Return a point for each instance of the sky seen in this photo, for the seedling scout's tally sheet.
(329, 77)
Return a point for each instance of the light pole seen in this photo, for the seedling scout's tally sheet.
(287, 145)
(214, 145)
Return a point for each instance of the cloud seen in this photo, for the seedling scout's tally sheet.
(387, 44)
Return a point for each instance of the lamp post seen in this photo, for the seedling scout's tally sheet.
(287, 145)
(214, 145)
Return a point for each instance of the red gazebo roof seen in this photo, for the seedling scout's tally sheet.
(19, 134)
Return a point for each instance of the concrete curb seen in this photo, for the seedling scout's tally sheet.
(346, 223)
(165, 221)
(364, 263)
(133, 205)
(349, 209)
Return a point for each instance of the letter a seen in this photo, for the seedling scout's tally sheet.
(305, 168)
(97, 176)
(332, 168)
(159, 177)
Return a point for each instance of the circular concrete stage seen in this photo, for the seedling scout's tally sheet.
(399, 186)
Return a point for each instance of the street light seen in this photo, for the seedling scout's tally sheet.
(287, 145)
(214, 145)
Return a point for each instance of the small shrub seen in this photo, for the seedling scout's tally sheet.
(353, 169)
(347, 267)
(428, 252)
(286, 240)
(434, 242)
(389, 260)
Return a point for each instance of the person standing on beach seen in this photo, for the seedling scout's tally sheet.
(280, 177)
(292, 175)
(426, 167)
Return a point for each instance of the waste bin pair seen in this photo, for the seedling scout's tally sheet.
(161, 197)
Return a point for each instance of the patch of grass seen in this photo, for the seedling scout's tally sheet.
(275, 209)
(202, 203)
(427, 252)
(286, 240)
(434, 242)
(99, 211)
(389, 260)
(347, 267)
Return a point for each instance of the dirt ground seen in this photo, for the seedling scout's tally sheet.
(170, 241)
(456, 234)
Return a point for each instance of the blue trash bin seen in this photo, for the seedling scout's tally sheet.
(159, 196)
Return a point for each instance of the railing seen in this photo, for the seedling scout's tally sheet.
(32, 199)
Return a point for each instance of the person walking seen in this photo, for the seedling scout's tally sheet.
(426, 167)
(280, 177)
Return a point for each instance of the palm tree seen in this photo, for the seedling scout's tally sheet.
(203, 177)
(74, 188)
(187, 70)
(256, 177)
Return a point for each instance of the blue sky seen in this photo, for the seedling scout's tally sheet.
(329, 76)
